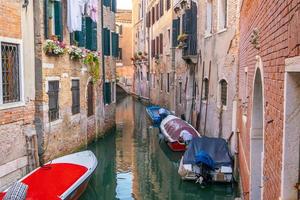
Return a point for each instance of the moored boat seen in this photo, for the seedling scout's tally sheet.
(63, 178)
(207, 160)
(172, 127)
(155, 115)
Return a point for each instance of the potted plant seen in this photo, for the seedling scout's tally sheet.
(182, 37)
(75, 53)
(54, 47)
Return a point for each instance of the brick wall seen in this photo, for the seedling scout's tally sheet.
(279, 39)
(10, 19)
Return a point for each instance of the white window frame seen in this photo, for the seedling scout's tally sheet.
(222, 29)
(208, 26)
(18, 42)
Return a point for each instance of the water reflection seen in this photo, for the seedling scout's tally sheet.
(135, 163)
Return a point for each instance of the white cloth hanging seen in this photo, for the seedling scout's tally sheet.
(75, 11)
(92, 9)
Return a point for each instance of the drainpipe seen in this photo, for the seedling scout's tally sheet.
(102, 55)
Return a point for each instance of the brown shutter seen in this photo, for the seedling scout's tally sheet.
(161, 43)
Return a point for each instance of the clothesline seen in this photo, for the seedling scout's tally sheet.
(78, 8)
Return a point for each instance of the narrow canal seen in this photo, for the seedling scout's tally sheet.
(134, 163)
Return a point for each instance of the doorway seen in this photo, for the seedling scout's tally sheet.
(256, 143)
(291, 137)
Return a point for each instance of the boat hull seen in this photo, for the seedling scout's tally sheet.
(79, 191)
(176, 146)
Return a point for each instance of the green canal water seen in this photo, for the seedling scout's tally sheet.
(135, 163)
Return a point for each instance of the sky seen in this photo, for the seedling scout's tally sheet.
(124, 4)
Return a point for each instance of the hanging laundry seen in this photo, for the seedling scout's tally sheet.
(92, 9)
(76, 9)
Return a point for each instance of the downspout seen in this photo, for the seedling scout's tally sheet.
(102, 55)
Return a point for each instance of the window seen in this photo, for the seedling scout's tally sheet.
(148, 76)
(206, 89)
(107, 93)
(169, 36)
(168, 6)
(10, 71)
(176, 31)
(180, 92)
(157, 47)
(168, 82)
(115, 44)
(161, 81)
(106, 35)
(120, 57)
(53, 89)
(208, 24)
(161, 5)
(75, 97)
(153, 15)
(157, 12)
(161, 44)
(223, 96)
(222, 14)
(141, 76)
(90, 99)
(53, 19)
(88, 36)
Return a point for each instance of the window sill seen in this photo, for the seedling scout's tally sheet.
(222, 30)
(11, 105)
(208, 35)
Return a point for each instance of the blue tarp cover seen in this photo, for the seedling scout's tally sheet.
(216, 148)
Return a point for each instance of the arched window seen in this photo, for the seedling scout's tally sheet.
(206, 89)
(90, 99)
(223, 92)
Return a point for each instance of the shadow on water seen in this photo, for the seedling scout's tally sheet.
(135, 163)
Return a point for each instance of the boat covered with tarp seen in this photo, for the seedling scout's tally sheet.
(207, 160)
(177, 132)
(63, 178)
(157, 113)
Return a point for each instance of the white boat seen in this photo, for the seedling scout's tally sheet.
(63, 178)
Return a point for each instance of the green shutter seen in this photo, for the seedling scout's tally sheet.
(80, 35)
(107, 3)
(46, 18)
(115, 44)
(106, 35)
(107, 93)
(58, 20)
(114, 5)
(91, 34)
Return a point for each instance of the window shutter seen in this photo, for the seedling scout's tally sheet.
(113, 5)
(107, 93)
(58, 20)
(94, 36)
(80, 35)
(106, 35)
(176, 31)
(184, 24)
(161, 40)
(46, 18)
(162, 7)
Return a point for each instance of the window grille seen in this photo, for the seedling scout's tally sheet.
(90, 99)
(206, 88)
(223, 85)
(75, 97)
(10, 72)
(53, 100)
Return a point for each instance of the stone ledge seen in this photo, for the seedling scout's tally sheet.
(13, 166)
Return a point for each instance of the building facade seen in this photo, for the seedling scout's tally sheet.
(268, 114)
(58, 80)
(125, 70)
(140, 50)
(217, 69)
(17, 91)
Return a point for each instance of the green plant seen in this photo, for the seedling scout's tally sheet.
(182, 37)
(92, 61)
(75, 53)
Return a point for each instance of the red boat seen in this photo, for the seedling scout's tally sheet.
(171, 127)
(63, 178)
